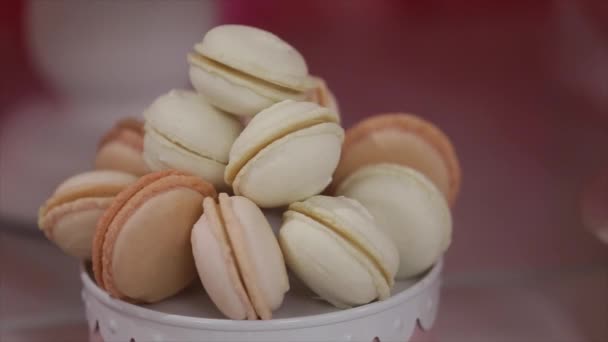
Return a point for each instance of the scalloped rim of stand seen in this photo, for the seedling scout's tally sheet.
(259, 325)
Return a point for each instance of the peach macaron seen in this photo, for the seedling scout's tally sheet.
(238, 258)
(121, 148)
(68, 218)
(403, 139)
(141, 250)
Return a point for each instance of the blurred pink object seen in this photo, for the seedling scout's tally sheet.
(581, 50)
(113, 51)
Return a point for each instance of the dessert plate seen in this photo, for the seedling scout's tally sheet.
(191, 316)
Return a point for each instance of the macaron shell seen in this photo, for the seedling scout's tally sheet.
(291, 168)
(71, 226)
(161, 154)
(257, 253)
(228, 96)
(116, 155)
(398, 147)
(91, 184)
(151, 258)
(93, 179)
(216, 265)
(271, 124)
(185, 118)
(106, 219)
(178, 197)
(129, 136)
(350, 220)
(409, 208)
(256, 52)
(130, 130)
(327, 263)
(237, 78)
(406, 140)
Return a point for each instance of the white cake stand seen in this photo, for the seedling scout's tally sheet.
(191, 316)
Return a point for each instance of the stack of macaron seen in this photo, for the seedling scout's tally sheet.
(183, 195)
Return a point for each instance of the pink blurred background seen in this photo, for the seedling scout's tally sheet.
(521, 87)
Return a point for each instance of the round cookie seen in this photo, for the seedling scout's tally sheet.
(184, 132)
(68, 218)
(402, 139)
(238, 258)
(141, 249)
(334, 246)
(409, 208)
(243, 69)
(286, 153)
(121, 148)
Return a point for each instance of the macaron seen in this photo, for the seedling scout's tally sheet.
(184, 132)
(323, 96)
(238, 258)
(243, 69)
(333, 245)
(121, 148)
(68, 218)
(141, 250)
(287, 152)
(406, 140)
(409, 208)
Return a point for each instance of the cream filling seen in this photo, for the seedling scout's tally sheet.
(222, 234)
(233, 169)
(260, 86)
(309, 262)
(357, 246)
(168, 140)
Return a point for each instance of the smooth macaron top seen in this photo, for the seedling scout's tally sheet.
(348, 218)
(256, 52)
(239, 259)
(98, 183)
(69, 216)
(272, 124)
(141, 249)
(333, 245)
(184, 117)
(408, 207)
(402, 139)
(121, 148)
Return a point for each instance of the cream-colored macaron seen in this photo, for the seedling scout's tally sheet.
(409, 208)
(334, 246)
(121, 148)
(68, 218)
(141, 249)
(403, 139)
(287, 152)
(184, 132)
(243, 69)
(238, 258)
